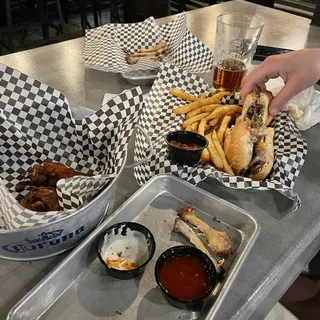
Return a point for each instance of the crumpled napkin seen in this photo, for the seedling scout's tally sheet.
(304, 108)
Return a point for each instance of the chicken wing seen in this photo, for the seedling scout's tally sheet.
(44, 178)
(47, 175)
(50, 173)
(182, 227)
(41, 199)
(156, 53)
(218, 241)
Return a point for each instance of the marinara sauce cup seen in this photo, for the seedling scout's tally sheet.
(186, 277)
(185, 147)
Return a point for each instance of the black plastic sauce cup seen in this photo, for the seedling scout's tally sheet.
(182, 156)
(197, 304)
(120, 230)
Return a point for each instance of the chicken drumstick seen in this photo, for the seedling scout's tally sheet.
(218, 241)
(182, 227)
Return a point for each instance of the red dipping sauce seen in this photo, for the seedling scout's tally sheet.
(185, 146)
(185, 277)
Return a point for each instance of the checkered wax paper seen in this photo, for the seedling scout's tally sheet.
(107, 46)
(157, 119)
(36, 124)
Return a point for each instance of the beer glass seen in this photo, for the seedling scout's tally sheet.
(237, 36)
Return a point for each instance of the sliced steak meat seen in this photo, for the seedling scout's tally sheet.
(257, 162)
(254, 113)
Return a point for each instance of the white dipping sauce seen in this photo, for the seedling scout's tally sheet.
(132, 246)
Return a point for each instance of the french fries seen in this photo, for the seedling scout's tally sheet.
(194, 126)
(183, 95)
(209, 108)
(217, 145)
(234, 114)
(194, 119)
(224, 124)
(222, 111)
(202, 125)
(188, 107)
(214, 155)
(209, 118)
(215, 123)
(218, 96)
(205, 156)
(195, 105)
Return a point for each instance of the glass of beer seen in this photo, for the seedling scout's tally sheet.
(237, 36)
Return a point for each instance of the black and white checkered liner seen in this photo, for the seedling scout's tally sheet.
(107, 46)
(157, 119)
(36, 124)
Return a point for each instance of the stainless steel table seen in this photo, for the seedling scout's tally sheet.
(287, 240)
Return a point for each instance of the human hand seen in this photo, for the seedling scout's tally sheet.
(299, 70)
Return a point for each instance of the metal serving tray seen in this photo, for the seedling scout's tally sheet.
(80, 287)
(140, 77)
